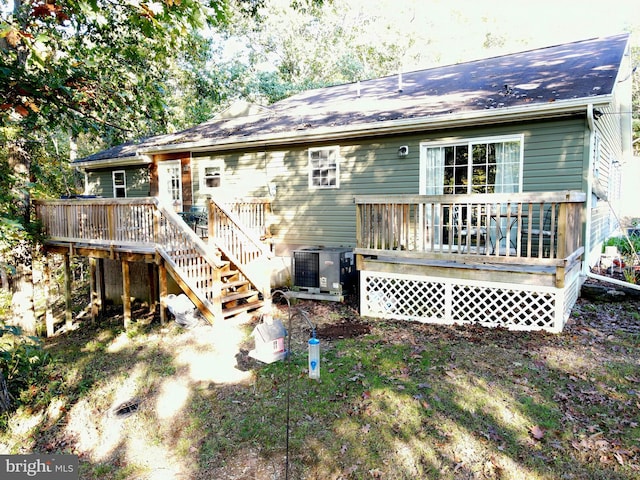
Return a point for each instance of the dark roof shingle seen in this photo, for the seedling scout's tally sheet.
(584, 69)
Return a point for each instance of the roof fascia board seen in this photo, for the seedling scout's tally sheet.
(393, 126)
(114, 162)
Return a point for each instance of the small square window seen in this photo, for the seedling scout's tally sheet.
(212, 176)
(324, 168)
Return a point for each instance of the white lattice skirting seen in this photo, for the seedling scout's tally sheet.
(449, 300)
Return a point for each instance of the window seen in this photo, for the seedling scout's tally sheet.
(119, 184)
(490, 165)
(324, 167)
(211, 173)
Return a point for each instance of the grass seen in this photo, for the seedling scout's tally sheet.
(405, 401)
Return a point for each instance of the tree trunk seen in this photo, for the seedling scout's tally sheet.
(22, 304)
(5, 396)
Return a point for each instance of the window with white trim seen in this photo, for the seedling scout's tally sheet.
(483, 165)
(211, 173)
(119, 183)
(324, 167)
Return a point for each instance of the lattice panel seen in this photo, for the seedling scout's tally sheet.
(404, 298)
(505, 307)
(445, 300)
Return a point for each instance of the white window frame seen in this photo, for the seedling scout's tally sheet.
(117, 187)
(210, 163)
(335, 149)
(469, 142)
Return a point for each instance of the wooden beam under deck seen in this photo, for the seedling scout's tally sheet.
(129, 253)
(489, 272)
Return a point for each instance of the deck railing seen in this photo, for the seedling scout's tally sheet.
(253, 214)
(144, 224)
(529, 228)
(238, 231)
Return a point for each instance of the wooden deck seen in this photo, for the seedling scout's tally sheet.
(223, 277)
(498, 260)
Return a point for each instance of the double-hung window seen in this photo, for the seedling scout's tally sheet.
(119, 184)
(324, 167)
(484, 165)
(211, 173)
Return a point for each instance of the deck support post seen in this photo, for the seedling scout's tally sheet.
(48, 312)
(153, 287)
(126, 294)
(67, 292)
(102, 291)
(93, 282)
(162, 280)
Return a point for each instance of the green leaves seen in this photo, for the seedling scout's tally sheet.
(88, 62)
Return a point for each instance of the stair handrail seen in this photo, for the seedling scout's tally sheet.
(208, 253)
(172, 232)
(219, 212)
(239, 226)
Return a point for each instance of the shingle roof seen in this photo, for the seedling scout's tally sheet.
(580, 70)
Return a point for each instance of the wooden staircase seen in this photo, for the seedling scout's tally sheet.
(238, 295)
(225, 276)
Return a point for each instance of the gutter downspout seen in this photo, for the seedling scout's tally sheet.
(587, 235)
(614, 281)
(586, 271)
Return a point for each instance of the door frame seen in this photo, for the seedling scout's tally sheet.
(165, 194)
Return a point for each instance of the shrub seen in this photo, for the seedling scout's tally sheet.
(624, 245)
(22, 359)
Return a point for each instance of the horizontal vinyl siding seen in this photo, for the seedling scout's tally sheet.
(610, 134)
(243, 176)
(100, 182)
(554, 157)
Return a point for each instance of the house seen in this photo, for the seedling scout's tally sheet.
(475, 192)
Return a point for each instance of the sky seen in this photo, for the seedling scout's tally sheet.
(457, 29)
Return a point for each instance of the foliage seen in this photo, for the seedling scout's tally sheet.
(86, 63)
(323, 44)
(80, 68)
(628, 246)
(22, 359)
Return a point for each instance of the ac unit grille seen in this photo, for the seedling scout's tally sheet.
(307, 269)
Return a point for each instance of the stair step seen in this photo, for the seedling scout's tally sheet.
(228, 273)
(234, 284)
(245, 307)
(238, 296)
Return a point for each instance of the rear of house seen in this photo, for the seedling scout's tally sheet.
(461, 191)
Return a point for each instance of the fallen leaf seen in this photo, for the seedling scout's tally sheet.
(536, 432)
(365, 428)
(375, 473)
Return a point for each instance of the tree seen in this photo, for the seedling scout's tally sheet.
(73, 66)
(111, 70)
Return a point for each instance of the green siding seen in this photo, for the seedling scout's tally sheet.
(554, 154)
(100, 182)
(609, 131)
